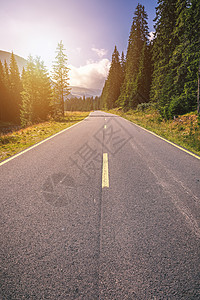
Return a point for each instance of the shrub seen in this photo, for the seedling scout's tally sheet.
(178, 106)
(145, 106)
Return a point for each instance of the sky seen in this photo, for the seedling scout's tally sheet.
(89, 29)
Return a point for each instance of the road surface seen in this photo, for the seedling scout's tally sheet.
(103, 210)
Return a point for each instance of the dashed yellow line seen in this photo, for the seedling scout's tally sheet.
(105, 176)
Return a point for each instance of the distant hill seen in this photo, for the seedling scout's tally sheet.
(75, 90)
(21, 62)
(81, 91)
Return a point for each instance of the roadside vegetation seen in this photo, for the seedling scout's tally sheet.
(14, 139)
(183, 130)
(163, 70)
(157, 83)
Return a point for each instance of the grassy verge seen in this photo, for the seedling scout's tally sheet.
(23, 138)
(184, 130)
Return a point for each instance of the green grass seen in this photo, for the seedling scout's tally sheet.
(23, 138)
(183, 131)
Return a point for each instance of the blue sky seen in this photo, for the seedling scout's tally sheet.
(89, 29)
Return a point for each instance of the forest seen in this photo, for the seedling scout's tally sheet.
(82, 103)
(33, 96)
(161, 71)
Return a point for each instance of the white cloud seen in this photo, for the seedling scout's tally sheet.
(92, 75)
(100, 52)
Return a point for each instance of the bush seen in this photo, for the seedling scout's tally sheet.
(145, 106)
(178, 106)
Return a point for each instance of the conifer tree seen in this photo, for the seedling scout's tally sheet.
(60, 77)
(113, 83)
(82, 104)
(1, 72)
(3, 94)
(183, 65)
(176, 56)
(28, 93)
(144, 76)
(6, 75)
(163, 47)
(137, 44)
(15, 89)
(7, 107)
(123, 63)
(103, 97)
(36, 95)
(44, 93)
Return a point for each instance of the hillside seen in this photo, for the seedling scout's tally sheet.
(81, 91)
(20, 60)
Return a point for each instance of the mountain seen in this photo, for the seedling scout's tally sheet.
(21, 62)
(81, 91)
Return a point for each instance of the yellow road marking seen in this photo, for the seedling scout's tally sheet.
(34, 146)
(105, 177)
(179, 147)
(105, 126)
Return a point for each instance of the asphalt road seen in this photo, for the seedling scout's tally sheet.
(103, 210)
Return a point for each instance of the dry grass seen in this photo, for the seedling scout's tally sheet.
(184, 130)
(18, 140)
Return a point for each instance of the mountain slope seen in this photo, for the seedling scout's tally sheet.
(21, 62)
(81, 91)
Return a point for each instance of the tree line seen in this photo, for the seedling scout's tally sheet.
(163, 71)
(33, 96)
(82, 103)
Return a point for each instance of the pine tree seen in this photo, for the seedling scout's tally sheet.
(15, 89)
(6, 75)
(113, 83)
(176, 56)
(82, 104)
(163, 47)
(103, 97)
(7, 107)
(60, 77)
(36, 95)
(138, 40)
(44, 93)
(3, 94)
(123, 63)
(144, 76)
(28, 93)
(185, 58)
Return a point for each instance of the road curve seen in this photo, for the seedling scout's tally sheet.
(103, 210)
